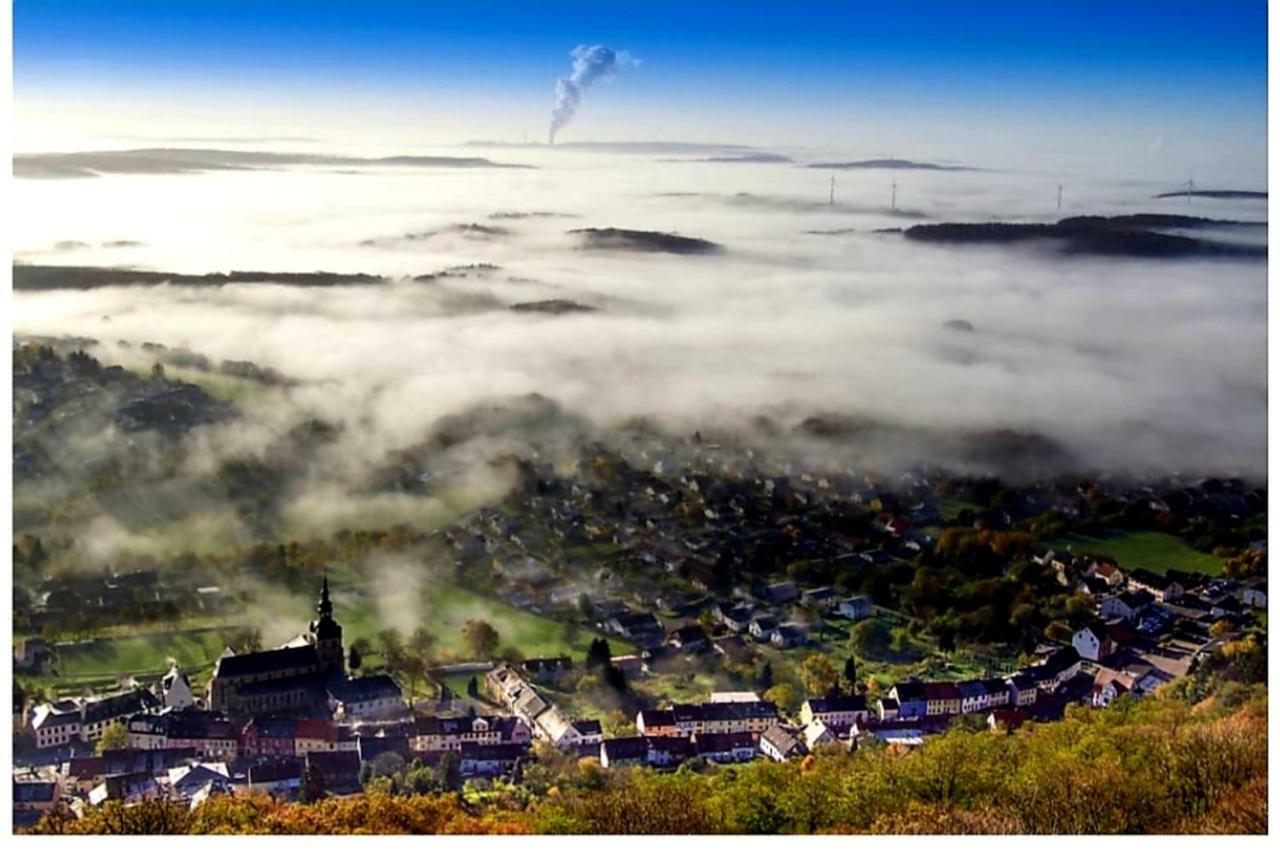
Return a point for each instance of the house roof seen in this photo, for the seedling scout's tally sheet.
(723, 742)
(1062, 659)
(507, 752)
(34, 791)
(274, 769)
(312, 683)
(843, 703)
(783, 740)
(658, 717)
(941, 691)
(337, 764)
(909, 691)
(264, 727)
(633, 747)
(671, 744)
(109, 708)
(369, 688)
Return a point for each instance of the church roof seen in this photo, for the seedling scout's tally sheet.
(273, 661)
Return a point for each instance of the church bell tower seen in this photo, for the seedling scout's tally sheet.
(326, 634)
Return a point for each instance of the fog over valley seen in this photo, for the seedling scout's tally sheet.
(794, 307)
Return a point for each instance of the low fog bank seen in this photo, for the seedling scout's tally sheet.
(1143, 366)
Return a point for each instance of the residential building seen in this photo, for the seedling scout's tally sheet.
(835, 711)
(780, 743)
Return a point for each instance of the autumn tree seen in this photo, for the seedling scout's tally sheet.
(784, 696)
(819, 674)
(115, 736)
(480, 637)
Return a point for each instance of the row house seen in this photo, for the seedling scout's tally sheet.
(313, 735)
(209, 733)
(504, 684)
(367, 697)
(713, 718)
(489, 760)
(83, 720)
(547, 671)
(432, 734)
(1023, 689)
(269, 737)
(656, 722)
(1159, 586)
(726, 747)
(978, 695)
(835, 711)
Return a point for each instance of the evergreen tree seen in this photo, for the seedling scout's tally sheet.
(449, 772)
(311, 786)
(598, 653)
(473, 688)
(851, 672)
(764, 676)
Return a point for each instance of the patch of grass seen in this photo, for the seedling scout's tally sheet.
(446, 607)
(948, 509)
(1154, 551)
(142, 653)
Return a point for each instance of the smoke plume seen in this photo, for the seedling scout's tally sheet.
(590, 64)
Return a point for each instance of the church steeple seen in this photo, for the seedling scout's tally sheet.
(325, 607)
(326, 634)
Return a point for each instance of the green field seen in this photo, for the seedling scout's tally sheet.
(444, 608)
(1154, 551)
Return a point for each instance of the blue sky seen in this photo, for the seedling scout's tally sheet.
(863, 74)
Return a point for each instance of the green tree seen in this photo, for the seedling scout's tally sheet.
(115, 736)
(869, 638)
(421, 643)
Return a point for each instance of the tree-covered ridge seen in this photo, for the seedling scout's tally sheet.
(1169, 764)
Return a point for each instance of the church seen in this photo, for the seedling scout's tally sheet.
(303, 675)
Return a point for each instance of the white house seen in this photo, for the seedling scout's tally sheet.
(855, 607)
(174, 690)
(1125, 606)
(818, 733)
(1253, 593)
(1092, 642)
(780, 744)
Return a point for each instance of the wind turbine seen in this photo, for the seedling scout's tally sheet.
(832, 201)
(1059, 197)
